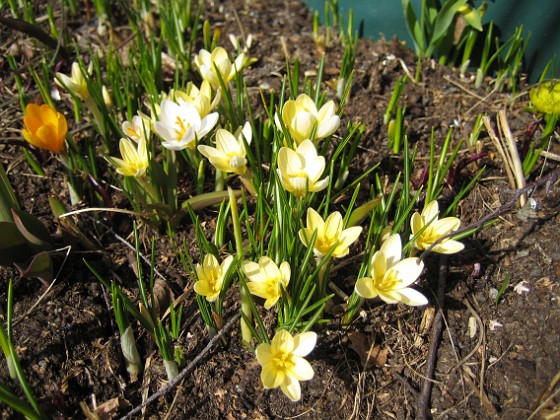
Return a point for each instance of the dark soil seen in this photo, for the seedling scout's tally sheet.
(68, 343)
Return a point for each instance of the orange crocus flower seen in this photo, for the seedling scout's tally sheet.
(45, 127)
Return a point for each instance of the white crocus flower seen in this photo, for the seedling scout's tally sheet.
(301, 169)
(301, 117)
(229, 155)
(391, 276)
(138, 128)
(180, 125)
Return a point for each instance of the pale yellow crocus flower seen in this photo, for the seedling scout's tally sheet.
(211, 275)
(229, 155)
(266, 279)
(330, 234)
(435, 230)
(283, 363)
(300, 169)
(76, 82)
(301, 117)
(391, 276)
(134, 160)
(210, 64)
(201, 97)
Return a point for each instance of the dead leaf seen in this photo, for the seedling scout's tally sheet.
(369, 354)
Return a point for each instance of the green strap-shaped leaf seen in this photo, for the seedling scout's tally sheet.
(13, 246)
(33, 230)
(443, 22)
(40, 266)
(8, 199)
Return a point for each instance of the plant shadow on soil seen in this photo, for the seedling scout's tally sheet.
(69, 346)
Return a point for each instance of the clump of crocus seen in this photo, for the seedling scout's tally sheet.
(304, 121)
(435, 230)
(300, 169)
(331, 234)
(180, 125)
(283, 363)
(45, 127)
(229, 155)
(266, 279)
(211, 275)
(217, 62)
(546, 98)
(391, 275)
(134, 160)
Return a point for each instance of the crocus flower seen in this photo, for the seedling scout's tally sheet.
(266, 279)
(391, 275)
(45, 127)
(229, 155)
(283, 363)
(209, 65)
(330, 234)
(180, 125)
(211, 276)
(301, 117)
(301, 169)
(76, 83)
(134, 160)
(435, 230)
(138, 128)
(546, 98)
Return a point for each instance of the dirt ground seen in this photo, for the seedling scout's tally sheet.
(494, 360)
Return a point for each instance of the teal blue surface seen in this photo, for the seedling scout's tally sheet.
(539, 17)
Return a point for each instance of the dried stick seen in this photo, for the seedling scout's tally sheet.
(185, 371)
(423, 402)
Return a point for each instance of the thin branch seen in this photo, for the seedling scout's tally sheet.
(423, 401)
(35, 32)
(550, 178)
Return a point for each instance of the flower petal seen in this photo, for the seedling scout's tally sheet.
(302, 370)
(291, 388)
(365, 287)
(392, 249)
(412, 297)
(304, 343)
(406, 271)
(430, 212)
(449, 247)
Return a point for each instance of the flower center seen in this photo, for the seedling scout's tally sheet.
(283, 361)
(387, 282)
(182, 127)
(237, 162)
(133, 132)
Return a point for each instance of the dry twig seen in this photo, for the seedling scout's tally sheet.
(423, 402)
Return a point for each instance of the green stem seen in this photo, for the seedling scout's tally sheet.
(246, 333)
